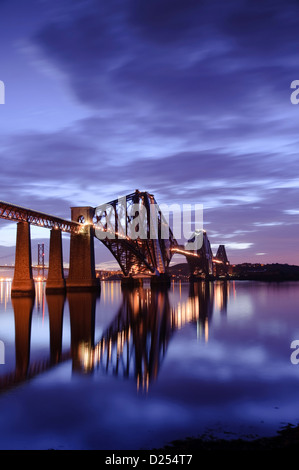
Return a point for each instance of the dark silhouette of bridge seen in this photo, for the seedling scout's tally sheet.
(133, 228)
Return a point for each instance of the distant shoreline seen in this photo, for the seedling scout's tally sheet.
(265, 278)
(274, 272)
(285, 439)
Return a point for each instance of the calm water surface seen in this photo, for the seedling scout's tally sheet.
(137, 369)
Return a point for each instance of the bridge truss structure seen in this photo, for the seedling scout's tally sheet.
(22, 214)
(131, 228)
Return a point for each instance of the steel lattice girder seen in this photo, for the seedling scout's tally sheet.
(203, 262)
(21, 214)
(134, 254)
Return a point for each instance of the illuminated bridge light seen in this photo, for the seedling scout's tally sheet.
(217, 261)
(184, 252)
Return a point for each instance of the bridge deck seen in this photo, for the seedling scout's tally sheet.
(22, 214)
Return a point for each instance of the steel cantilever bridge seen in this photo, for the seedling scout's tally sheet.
(131, 227)
(151, 253)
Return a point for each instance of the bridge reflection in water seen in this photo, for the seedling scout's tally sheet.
(134, 344)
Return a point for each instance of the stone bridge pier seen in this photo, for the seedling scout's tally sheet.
(23, 283)
(82, 274)
(55, 282)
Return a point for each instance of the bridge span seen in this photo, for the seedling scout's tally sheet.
(138, 243)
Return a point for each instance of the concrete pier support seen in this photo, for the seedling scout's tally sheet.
(82, 274)
(23, 283)
(55, 282)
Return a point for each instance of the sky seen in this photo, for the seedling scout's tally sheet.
(187, 99)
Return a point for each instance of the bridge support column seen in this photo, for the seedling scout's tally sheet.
(23, 283)
(55, 282)
(82, 274)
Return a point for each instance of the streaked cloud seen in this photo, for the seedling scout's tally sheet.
(188, 100)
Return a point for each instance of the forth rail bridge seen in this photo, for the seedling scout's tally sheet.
(137, 256)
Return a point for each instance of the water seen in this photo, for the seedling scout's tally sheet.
(137, 369)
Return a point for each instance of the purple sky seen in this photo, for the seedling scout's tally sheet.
(187, 99)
